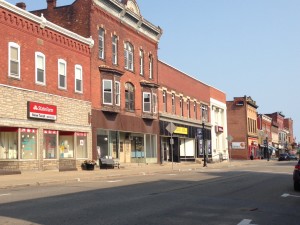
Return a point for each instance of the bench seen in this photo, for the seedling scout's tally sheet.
(109, 163)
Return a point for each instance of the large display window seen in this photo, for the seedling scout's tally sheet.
(66, 144)
(81, 145)
(28, 143)
(50, 144)
(8, 143)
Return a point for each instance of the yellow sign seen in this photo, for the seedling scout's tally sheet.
(181, 130)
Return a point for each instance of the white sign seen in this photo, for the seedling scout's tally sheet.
(238, 145)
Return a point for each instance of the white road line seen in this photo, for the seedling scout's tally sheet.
(5, 194)
(172, 174)
(114, 181)
(285, 195)
(246, 222)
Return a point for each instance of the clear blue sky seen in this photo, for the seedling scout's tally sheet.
(242, 47)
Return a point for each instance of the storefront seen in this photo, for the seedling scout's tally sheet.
(43, 136)
(186, 144)
(129, 139)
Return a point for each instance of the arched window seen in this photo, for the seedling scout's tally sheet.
(128, 54)
(129, 97)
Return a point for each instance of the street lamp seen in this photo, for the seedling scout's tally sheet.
(203, 145)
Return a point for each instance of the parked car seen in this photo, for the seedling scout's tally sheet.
(287, 157)
(296, 176)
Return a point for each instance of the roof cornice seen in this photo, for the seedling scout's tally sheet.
(137, 22)
(44, 23)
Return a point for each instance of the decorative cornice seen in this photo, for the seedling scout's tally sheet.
(44, 23)
(105, 68)
(148, 84)
(126, 16)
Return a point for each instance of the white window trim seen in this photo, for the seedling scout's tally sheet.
(103, 98)
(118, 92)
(115, 48)
(101, 39)
(128, 54)
(44, 63)
(147, 93)
(154, 103)
(15, 45)
(150, 67)
(65, 73)
(141, 62)
(77, 66)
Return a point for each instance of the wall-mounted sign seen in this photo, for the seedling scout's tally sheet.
(238, 145)
(239, 103)
(41, 111)
(219, 129)
(181, 130)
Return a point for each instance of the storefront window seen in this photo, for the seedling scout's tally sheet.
(151, 146)
(8, 143)
(50, 144)
(102, 142)
(81, 145)
(137, 147)
(28, 143)
(66, 144)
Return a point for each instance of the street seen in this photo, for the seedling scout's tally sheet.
(256, 195)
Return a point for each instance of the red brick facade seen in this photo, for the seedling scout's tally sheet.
(108, 23)
(39, 61)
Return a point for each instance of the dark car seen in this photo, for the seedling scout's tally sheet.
(296, 176)
(287, 157)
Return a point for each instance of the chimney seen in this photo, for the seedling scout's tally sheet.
(21, 5)
(51, 4)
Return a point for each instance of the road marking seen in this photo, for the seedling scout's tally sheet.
(114, 181)
(285, 195)
(246, 222)
(5, 194)
(172, 174)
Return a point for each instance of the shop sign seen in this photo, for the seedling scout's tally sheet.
(81, 134)
(50, 132)
(219, 129)
(41, 111)
(238, 145)
(181, 130)
(28, 130)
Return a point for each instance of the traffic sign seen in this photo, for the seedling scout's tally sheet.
(171, 128)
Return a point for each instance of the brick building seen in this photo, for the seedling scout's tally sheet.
(191, 106)
(242, 126)
(123, 72)
(265, 137)
(44, 93)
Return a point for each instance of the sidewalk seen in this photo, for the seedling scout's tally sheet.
(37, 178)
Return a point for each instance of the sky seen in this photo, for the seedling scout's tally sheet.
(241, 47)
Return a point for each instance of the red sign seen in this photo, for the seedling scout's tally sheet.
(219, 129)
(41, 111)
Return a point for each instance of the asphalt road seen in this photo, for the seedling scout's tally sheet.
(231, 196)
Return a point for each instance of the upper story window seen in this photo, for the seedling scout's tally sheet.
(115, 50)
(14, 60)
(107, 92)
(165, 101)
(117, 92)
(141, 62)
(128, 56)
(101, 34)
(204, 113)
(195, 110)
(154, 103)
(188, 108)
(62, 74)
(181, 106)
(173, 104)
(129, 97)
(78, 78)
(146, 102)
(40, 71)
(150, 67)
